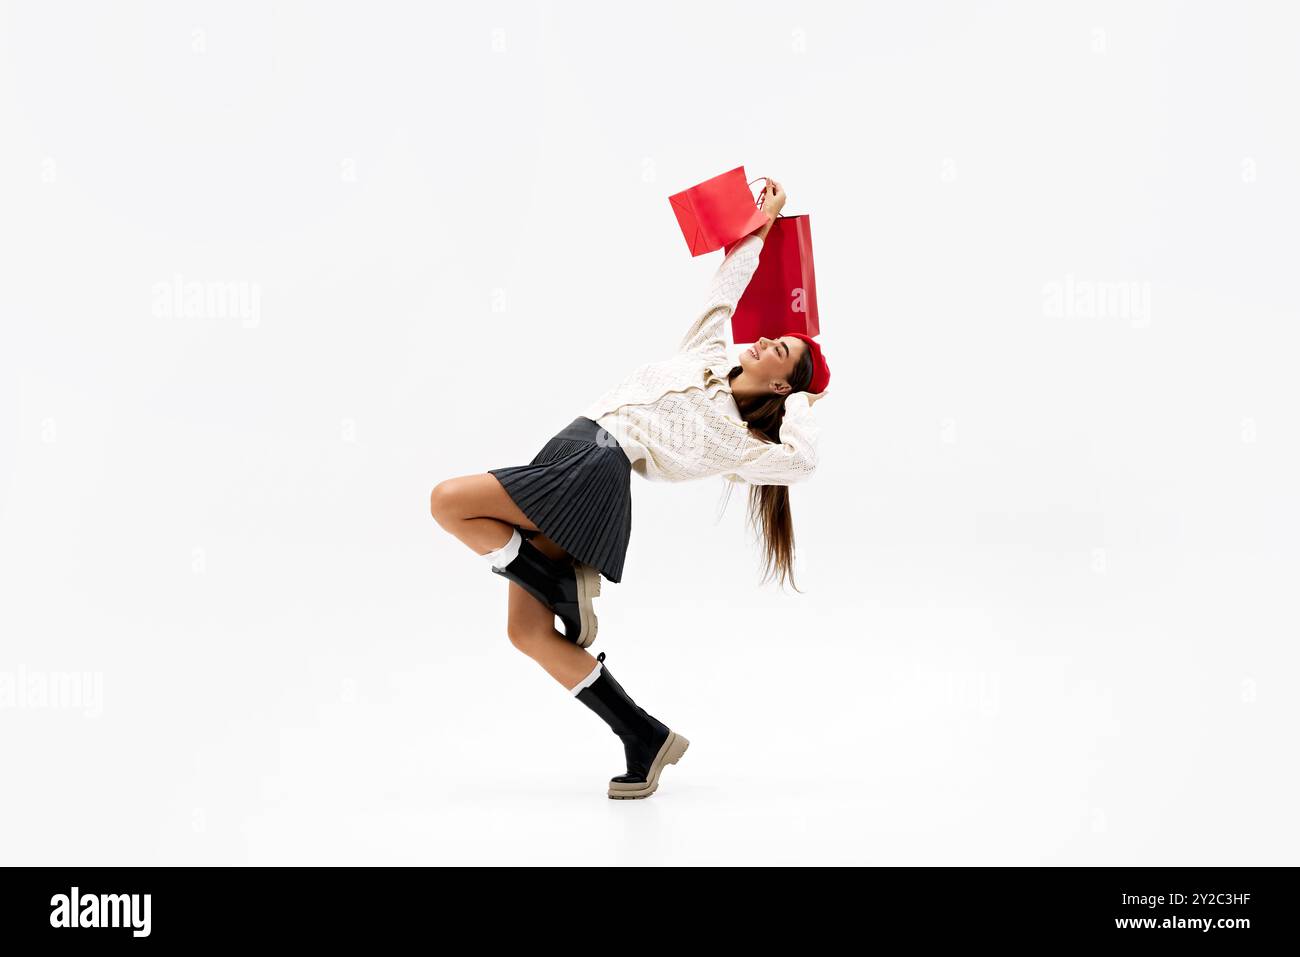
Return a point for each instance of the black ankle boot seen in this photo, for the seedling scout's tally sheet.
(648, 743)
(566, 587)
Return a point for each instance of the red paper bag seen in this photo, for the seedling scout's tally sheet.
(782, 294)
(717, 211)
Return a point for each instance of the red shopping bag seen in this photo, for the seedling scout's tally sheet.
(717, 211)
(782, 294)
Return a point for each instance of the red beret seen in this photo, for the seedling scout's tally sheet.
(821, 371)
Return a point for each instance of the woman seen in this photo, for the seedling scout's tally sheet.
(555, 526)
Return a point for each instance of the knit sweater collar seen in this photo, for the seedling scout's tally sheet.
(718, 382)
(720, 369)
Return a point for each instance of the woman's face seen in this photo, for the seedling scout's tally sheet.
(773, 360)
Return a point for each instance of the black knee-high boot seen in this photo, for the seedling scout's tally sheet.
(648, 743)
(565, 586)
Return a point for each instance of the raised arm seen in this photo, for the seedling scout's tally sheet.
(739, 262)
(729, 283)
(791, 460)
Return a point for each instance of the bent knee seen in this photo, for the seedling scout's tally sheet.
(442, 499)
(525, 637)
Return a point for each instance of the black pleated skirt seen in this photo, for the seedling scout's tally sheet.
(578, 491)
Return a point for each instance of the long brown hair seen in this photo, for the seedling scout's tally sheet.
(769, 505)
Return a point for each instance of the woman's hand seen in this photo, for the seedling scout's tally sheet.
(773, 198)
(814, 396)
(771, 203)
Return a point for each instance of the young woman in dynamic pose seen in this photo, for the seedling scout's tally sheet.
(555, 526)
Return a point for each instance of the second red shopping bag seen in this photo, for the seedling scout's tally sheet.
(782, 295)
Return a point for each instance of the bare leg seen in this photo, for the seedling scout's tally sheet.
(479, 512)
(531, 627)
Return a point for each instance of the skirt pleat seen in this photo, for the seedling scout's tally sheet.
(577, 490)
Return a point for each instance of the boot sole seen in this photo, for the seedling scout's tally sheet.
(588, 588)
(671, 751)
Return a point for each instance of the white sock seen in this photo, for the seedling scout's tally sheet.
(504, 555)
(595, 673)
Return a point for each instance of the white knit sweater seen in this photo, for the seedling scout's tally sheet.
(677, 419)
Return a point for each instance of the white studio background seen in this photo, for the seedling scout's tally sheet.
(1048, 561)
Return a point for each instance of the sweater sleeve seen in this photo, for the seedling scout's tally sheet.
(789, 461)
(708, 332)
